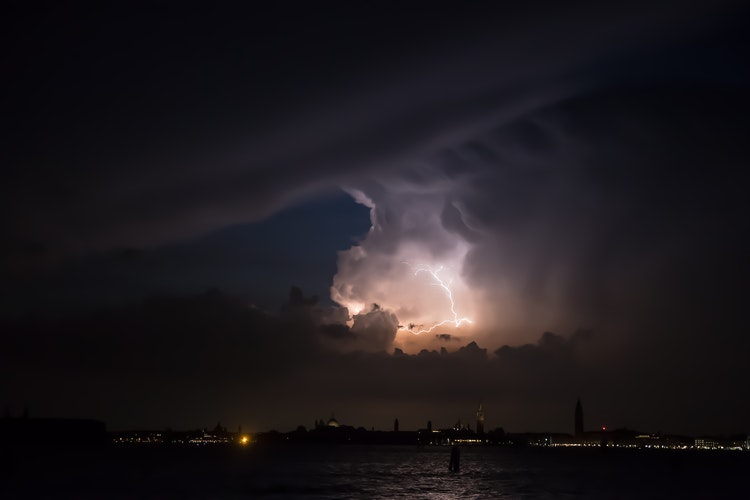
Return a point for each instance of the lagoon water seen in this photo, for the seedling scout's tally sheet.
(312, 471)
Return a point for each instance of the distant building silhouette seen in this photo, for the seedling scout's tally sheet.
(480, 420)
(579, 419)
(332, 422)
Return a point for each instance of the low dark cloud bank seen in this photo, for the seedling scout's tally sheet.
(184, 361)
(581, 167)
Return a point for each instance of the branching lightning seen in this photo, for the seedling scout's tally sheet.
(448, 293)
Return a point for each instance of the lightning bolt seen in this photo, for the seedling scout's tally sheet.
(438, 282)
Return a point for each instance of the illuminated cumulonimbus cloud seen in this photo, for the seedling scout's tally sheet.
(475, 252)
(409, 263)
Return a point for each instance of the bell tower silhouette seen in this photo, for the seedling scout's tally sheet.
(480, 420)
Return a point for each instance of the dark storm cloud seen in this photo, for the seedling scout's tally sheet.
(141, 129)
(631, 195)
(376, 328)
(590, 159)
(446, 337)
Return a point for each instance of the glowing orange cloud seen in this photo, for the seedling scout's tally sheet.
(448, 293)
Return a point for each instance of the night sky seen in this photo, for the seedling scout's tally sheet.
(519, 204)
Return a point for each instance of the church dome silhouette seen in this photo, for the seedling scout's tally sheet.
(332, 422)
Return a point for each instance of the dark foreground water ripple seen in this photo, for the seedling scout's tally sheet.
(310, 471)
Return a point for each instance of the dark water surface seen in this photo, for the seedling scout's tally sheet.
(297, 471)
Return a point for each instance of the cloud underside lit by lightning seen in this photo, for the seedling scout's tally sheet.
(456, 320)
